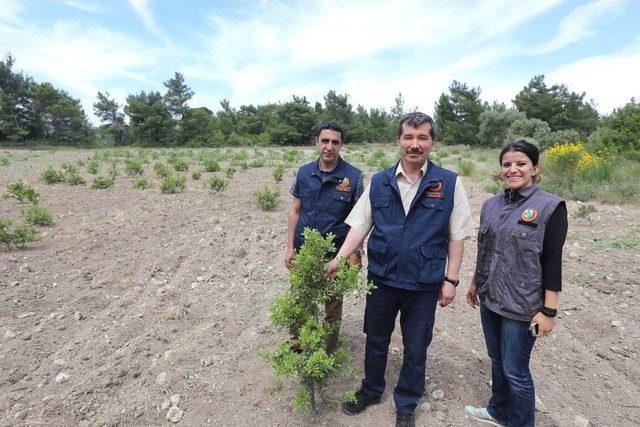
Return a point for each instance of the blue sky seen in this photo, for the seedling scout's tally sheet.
(253, 52)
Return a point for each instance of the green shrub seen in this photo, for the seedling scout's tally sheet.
(113, 171)
(266, 198)
(52, 176)
(211, 165)
(172, 184)
(584, 211)
(179, 164)
(38, 216)
(278, 173)
(491, 187)
(301, 307)
(74, 179)
(217, 184)
(258, 162)
(134, 166)
(101, 182)
(21, 192)
(16, 235)
(230, 172)
(465, 167)
(196, 175)
(161, 169)
(4, 161)
(142, 183)
(93, 166)
(69, 168)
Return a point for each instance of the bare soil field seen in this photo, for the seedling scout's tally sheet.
(134, 298)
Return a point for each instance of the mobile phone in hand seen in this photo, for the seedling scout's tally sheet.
(534, 329)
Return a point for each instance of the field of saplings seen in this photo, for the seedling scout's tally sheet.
(135, 287)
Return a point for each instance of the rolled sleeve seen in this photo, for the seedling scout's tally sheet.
(295, 191)
(460, 223)
(360, 216)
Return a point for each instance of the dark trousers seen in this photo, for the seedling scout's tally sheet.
(417, 313)
(509, 344)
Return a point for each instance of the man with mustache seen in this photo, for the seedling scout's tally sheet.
(324, 192)
(419, 217)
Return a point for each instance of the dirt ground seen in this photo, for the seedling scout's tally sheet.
(134, 296)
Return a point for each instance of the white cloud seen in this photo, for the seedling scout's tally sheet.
(144, 12)
(10, 11)
(83, 5)
(283, 44)
(581, 23)
(611, 80)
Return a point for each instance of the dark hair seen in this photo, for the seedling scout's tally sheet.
(331, 125)
(525, 147)
(416, 119)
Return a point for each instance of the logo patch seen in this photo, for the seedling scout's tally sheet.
(344, 185)
(529, 214)
(434, 190)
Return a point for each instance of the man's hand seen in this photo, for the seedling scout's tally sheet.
(288, 257)
(447, 294)
(354, 259)
(472, 295)
(545, 324)
(331, 269)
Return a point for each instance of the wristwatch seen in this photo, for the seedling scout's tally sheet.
(453, 282)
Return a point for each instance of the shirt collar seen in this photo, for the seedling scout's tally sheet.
(319, 171)
(400, 169)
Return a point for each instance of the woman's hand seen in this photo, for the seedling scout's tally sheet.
(472, 294)
(545, 324)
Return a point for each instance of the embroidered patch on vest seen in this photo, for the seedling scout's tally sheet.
(529, 214)
(344, 185)
(434, 190)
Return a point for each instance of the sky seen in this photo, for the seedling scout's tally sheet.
(255, 52)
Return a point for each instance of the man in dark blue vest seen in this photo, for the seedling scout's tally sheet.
(323, 194)
(418, 216)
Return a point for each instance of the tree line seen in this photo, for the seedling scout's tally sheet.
(35, 113)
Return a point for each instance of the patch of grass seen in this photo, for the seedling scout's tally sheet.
(211, 165)
(70, 168)
(38, 216)
(21, 192)
(134, 166)
(258, 162)
(491, 187)
(141, 183)
(625, 242)
(179, 165)
(52, 176)
(217, 184)
(196, 175)
(101, 182)
(74, 179)
(161, 169)
(93, 166)
(584, 211)
(4, 161)
(172, 184)
(465, 167)
(267, 199)
(230, 172)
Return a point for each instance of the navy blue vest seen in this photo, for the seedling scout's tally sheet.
(325, 205)
(410, 251)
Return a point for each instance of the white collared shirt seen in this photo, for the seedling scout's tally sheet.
(460, 221)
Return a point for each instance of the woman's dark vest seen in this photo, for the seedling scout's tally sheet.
(410, 251)
(510, 242)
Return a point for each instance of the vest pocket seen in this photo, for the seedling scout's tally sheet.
(432, 263)
(523, 295)
(377, 257)
(342, 196)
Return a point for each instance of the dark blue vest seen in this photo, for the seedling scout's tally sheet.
(325, 205)
(410, 251)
